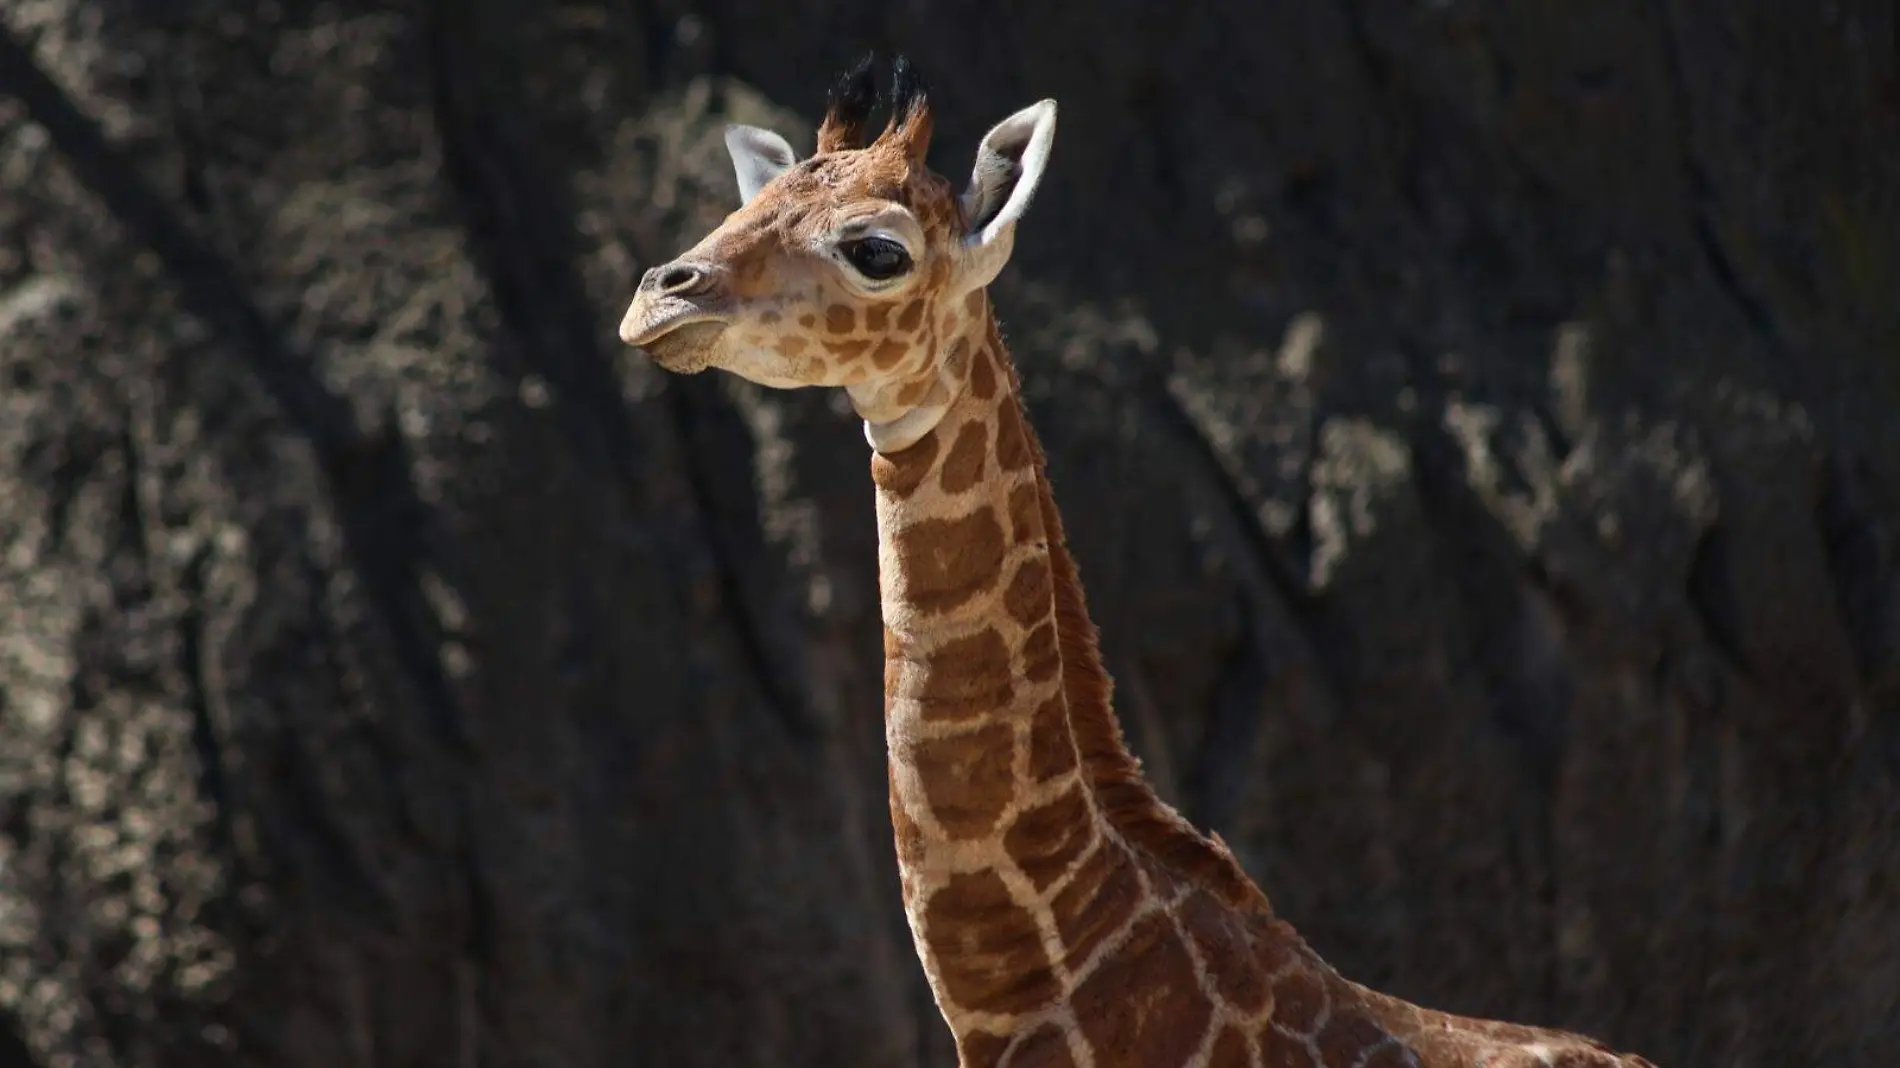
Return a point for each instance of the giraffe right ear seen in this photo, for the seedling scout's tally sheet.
(758, 156)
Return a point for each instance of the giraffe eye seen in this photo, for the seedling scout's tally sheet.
(877, 258)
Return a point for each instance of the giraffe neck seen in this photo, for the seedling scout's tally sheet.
(1028, 843)
(1063, 915)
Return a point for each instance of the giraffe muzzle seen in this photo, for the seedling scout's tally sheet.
(679, 333)
(686, 348)
(676, 311)
(678, 279)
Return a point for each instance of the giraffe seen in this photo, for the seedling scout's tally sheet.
(1064, 915)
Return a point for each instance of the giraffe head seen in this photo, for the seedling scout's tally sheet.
(856, 267)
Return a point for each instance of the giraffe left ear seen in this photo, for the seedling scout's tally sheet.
(758, 156)
(1009, 166)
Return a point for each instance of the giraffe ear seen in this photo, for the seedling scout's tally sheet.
(758, 156)
(1009, 166)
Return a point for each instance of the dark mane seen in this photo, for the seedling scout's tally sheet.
(1127, 800)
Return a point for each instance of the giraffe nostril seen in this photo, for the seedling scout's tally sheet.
(673, 279)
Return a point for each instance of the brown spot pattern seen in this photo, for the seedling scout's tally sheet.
(980, 1049)
(888, 354)
(847, 350)
(791, 345)
(900, 473)
(911, 316)
(1040, 662)
(909, 837)
(1012, 439)
(957, 362)
(1435, 1046)
(973, 304)
(1025, 514)
(1221, 943)
(1046, 1047)
(967, 777)
(1030, 596)
(1393, 1055)
(1047, 839)
(1051, 747)
(1230, 1051)
(965, 677)
(769, 318)
(808, 321)
(983, 376)
(1280, 1051)
(947, 562)
(963, 467)
(1275, 949)
(1298, 1002)
(1346, 1036)
(1104, 895)
(1141, 1008)
(877, 317)
(913, 392)
(1503, 1031)
(840, 319)
(988, 951)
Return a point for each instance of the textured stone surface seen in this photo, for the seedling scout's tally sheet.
(1475, 425)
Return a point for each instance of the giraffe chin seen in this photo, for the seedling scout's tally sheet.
(685, 350)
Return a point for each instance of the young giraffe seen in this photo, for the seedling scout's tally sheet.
(1064, 915)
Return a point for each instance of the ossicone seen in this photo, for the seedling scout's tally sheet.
(854, 96)
(848, 107)
(910, 120)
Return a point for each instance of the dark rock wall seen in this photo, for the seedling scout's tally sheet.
(1477, 423)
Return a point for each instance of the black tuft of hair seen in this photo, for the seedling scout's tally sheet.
(854, 96)
(909, 94)
(851, 100)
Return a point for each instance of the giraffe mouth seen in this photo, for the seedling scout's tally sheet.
(684, 345)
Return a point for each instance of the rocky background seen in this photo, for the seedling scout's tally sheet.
(1477, 421)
